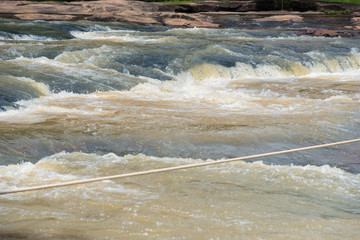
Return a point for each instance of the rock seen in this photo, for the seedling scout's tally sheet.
(322, 33)
(105, 10)
(281, 18)
(47, 17)
(187, 23)
(326, 33)
(187, 15)
(185, 20)
(355, 20)
(101, 10)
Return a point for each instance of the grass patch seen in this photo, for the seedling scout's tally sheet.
(335, 12)
(341, 1)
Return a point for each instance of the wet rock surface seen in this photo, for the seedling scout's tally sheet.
(328, 33)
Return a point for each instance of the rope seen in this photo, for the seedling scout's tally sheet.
(168, 169)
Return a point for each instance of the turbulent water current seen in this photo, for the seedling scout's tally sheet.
(83, 99)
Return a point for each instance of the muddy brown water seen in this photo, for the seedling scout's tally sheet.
(85, 99)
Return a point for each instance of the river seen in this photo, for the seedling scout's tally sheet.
(87, 99)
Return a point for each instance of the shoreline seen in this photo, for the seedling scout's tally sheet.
(201, 14)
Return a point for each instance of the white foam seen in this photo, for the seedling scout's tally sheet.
(113, 36)
(69, 166)
(193, 94)
(26, 37)
(69, 64)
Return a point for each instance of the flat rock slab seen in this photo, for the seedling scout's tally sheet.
(180, 15)
(101, 10)
(46, 17)
(283, 18)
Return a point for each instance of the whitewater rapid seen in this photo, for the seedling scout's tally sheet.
(81, 100)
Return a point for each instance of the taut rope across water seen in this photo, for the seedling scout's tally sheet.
(168, 169)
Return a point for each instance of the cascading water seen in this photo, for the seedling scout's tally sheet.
(81, 100)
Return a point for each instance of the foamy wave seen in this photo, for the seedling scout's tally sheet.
(115, 36)
(69, 166)
(97, 28)
(209, 84)
(19, 88)
(242, 72)
(82, 67)
(49, 107)
(296, 38)
(195, 30)
(186, 92)
(41, 88)
(89, 55)
(25, 37)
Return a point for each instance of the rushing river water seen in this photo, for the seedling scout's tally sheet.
(81, 100)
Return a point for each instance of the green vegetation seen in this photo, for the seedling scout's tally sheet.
(335, 12)
(341, 1)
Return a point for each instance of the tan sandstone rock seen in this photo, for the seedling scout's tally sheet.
(101, 10)
(281, 18)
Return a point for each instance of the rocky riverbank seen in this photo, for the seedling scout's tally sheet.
(199, 14)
